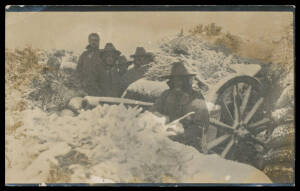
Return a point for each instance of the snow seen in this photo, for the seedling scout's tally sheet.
(113, 144)
(209, 64)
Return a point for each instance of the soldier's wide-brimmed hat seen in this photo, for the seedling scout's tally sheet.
(178, 69)
(110, 49)
(140, 51)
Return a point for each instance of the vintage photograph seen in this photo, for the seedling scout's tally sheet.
(101, 97)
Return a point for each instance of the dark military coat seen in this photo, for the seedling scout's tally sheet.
(175, 105)
(110, 80)
(133, 75)
(89, 69)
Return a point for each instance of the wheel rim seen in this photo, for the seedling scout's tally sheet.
(242, 117)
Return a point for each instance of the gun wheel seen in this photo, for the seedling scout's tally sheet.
(243, 126)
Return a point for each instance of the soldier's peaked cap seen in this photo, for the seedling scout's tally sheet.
(178, 69)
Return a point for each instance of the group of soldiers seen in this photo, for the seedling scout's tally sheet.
(105, 73)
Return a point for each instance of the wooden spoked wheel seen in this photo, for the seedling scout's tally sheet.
(243, 118)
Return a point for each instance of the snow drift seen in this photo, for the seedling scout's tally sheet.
(111, 144)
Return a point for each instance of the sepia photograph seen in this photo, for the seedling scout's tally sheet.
(115, 96)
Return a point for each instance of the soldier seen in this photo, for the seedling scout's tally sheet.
(181, 99)
(141, 64)
(123, 65)
(141, 57)
(89, 66)
(110, 77)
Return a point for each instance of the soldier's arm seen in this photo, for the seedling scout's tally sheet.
(157, 105)
(100, 73)
(201, 117)
(157, 108)
(201, 120)
(122, 64)
(80, 62)
(79, 67)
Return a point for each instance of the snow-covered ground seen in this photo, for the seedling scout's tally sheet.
(112, 144)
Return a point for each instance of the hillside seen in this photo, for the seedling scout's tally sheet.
(119, 144)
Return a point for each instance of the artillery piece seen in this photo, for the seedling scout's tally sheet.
(238, 116)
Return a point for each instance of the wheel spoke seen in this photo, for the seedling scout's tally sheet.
(239, 86)
(259, 129)
(217, 141)
(257, 141)
(245, 100)
(236, 109)
(227, 149)
(264, 121)
(253, 110)
(229, 115)
(220, 124)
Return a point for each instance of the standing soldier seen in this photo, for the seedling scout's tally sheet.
(89, 66)
(110, 77)
(141, 64)
(181, 99)
(123, 65)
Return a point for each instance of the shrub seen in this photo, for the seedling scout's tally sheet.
(229, 41)
(54, 89)
(210, 30)
(200, 59)
(21, 66)
(197, 29)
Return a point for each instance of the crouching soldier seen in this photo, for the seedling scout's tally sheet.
(181, 99)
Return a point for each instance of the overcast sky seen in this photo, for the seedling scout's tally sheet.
(127, 30)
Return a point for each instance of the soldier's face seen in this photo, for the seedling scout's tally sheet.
(94, 42)
(178, 83)
(109, 59)
(138, 61)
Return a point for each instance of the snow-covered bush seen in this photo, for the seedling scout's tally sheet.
(111, 143)
(229, 41)
(209, 65)
(57, 83)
